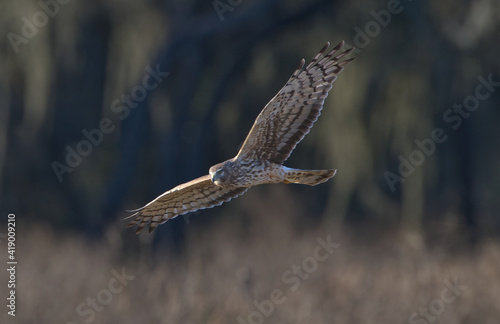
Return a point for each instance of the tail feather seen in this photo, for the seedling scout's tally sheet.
(308, 177)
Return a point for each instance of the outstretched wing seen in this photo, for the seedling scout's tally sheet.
(289, 116)
(197, 194)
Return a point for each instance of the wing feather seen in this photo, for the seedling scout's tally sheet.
(289, 116)
(197, 194)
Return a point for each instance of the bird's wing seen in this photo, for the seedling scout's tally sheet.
(197, 194)
(289, 116)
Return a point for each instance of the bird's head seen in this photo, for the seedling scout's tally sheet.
(221, 174)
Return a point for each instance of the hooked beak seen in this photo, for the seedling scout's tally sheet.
(214, 176)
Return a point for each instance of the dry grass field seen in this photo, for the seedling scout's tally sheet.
(268, 271)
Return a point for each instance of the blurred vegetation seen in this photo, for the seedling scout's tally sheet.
(226, 268)
(65, 78)
(62, 76)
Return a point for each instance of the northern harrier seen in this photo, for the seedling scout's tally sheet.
(283, 123)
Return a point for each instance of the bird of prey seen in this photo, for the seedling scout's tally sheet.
(280, 126)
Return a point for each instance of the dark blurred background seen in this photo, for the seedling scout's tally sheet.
(106, 105)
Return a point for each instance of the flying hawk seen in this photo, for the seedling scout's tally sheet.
(280, 126)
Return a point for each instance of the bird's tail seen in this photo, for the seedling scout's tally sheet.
(308, 177)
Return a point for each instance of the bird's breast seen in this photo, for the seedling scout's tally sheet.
(253, 173)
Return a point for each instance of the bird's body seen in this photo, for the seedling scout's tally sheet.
(245, 173)
(241, 173)
(281, 125)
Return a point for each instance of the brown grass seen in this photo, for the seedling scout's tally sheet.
(225, 267)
